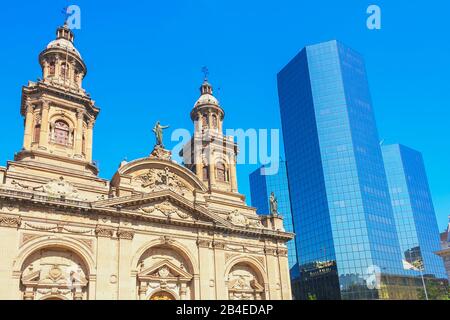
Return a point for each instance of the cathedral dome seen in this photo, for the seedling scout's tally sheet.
(64, 44)
(206, 97)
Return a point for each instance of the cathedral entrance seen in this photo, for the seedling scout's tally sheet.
(162, 295)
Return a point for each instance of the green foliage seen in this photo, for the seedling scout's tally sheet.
(312, 296)
(436, 291)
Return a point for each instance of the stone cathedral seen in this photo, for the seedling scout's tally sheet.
(157, 230)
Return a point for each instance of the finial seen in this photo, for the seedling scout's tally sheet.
(205, 72)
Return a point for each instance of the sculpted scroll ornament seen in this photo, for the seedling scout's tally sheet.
(167, 209)
(158, 179)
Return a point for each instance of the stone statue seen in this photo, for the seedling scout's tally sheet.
(158, 130)
(273, 204)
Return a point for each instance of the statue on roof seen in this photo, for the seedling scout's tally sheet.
(158, 130)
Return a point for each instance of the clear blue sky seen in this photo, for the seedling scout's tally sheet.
(144, 60)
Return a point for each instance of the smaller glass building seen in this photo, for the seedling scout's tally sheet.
(414, 214)
(260, 188)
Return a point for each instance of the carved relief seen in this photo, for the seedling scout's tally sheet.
(244, 283)
(10, 222)
(158, 179)
(203, 243)
(167, 209)
(161, 153)
(56, 188)
(237, 218)
(125, 234)
(104, 232)
(51, 272)
(255, 224)
(27, 237)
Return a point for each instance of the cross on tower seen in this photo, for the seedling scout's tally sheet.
(205, 72)
(65, 14)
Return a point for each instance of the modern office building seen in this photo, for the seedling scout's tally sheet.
(414, 214)
(261, 186)
(345, 229)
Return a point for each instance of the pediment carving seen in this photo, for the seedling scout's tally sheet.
(164, 270)
(167, 209)
(161, 179)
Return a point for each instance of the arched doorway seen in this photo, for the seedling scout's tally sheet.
(162, 295)
(164, 273)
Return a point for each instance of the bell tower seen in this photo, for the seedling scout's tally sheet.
(210, 154)
(59, 114)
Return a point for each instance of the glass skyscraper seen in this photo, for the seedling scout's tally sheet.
(346, 236)
(413, 208)
(260, 188)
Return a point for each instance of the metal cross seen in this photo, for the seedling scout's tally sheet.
(205, 72)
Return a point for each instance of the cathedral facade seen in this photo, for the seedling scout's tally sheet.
(156, 230)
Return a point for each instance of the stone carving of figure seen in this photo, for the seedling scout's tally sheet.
(273, 204)
(158, 130)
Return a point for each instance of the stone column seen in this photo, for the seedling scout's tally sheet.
(199, 122)
(79, 134)
(233, 174)
(28, 135)
(183, 291)
(199, 163)
(221, 283)
(220, 124)
(204, 255)
(89, 140)
(212, 171)
(124, 255)
(43, 138)
(57, 67)
(45, 69)
(283, 265)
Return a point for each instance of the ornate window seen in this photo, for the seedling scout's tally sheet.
(62, 133)
(83, 144)
(64, 70)
(37, 133)
(205, 121)
(214, 121)
(51, 70)
(205, 173)
(221, 172)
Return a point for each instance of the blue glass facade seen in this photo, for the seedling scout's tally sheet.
(413, 208)
(260, 188)
(340, 201)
